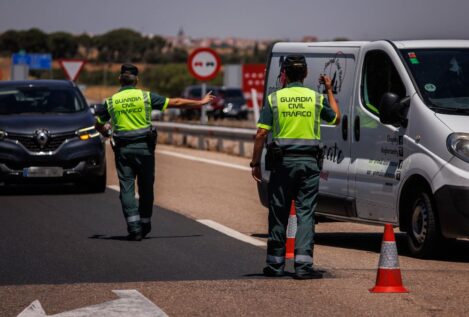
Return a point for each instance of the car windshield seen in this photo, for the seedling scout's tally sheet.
(442, 76)
(25, 100)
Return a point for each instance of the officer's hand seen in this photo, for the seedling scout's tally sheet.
(256, 173)
(207, 98)
(326, 81)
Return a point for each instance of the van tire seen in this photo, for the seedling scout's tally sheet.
(423, 233)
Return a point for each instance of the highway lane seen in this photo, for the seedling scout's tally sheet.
(348, 252)
(81, 238)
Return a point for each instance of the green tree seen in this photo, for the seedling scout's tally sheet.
(33, 41)
(179, 55)
(121, 45)
(9, 42)
(87, 43)
(63, 45)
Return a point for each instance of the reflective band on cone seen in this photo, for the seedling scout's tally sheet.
(388, 278)
(291, 233)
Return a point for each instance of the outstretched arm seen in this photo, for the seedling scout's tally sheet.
(183, 102)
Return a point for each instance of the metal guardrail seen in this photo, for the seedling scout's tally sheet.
(202, 131)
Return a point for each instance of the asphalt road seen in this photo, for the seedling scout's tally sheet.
(67, 250)
(64, 239)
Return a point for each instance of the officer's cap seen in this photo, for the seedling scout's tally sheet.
(129, 69)
(294, 61)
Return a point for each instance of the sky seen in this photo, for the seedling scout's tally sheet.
(252, 19)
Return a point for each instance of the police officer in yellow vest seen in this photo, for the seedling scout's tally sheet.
(129, 112)
(293, 115)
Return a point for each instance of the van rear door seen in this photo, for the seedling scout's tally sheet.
(337, 62)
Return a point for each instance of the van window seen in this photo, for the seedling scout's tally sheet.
(379, 77)
(442, 76)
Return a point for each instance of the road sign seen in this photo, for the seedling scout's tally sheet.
(204, 63)
(72, 67)
(253, 78)
(34, 61)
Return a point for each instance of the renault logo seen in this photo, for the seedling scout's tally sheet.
(42, 137)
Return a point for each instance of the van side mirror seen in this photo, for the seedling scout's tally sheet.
(393, 110)
(97, 109)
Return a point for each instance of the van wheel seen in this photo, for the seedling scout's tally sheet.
(423, 235)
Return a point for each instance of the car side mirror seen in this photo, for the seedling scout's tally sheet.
(393, 110)
(97, 109)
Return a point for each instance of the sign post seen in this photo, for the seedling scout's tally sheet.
(72, 67)
(204, 64)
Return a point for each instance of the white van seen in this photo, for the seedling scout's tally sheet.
(401, 152)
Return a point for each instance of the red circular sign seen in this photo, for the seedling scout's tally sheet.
(204, 63)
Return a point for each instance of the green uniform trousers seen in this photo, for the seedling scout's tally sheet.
(295, 179)
(136, 161)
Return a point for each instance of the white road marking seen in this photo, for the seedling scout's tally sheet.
(232, 233)
(130, 303)
(220, 228)
(208, 161)
(114, 187)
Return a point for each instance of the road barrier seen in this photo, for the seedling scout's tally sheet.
(203, 132)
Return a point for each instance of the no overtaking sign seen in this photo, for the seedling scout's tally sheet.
(204, 63)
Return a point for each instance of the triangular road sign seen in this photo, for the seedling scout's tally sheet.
(72, 67)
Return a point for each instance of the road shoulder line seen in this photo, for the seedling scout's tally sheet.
(220, 228)
(203, 160)
(231, 233)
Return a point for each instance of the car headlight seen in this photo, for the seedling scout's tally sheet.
(3, 134)
(87, 133)
(458, 145)
(244, 107)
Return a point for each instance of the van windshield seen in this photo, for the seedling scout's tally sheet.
(43, 100)
(442, 76)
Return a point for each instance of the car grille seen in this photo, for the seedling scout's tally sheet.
(29, 142)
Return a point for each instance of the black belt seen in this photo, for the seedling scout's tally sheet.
(311, 153)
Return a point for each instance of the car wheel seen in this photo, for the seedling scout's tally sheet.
(423, 235)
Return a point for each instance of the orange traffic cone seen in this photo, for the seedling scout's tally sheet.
(388, 279)
(291, 233)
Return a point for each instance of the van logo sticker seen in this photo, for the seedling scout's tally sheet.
(335, 68)
(430, 87)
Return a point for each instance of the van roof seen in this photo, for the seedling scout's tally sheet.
(431, 44)
(301, 47)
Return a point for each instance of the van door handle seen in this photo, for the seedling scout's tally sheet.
(345, 127)
(356, 128)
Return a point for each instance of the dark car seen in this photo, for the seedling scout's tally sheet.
(214, 110)
(47, 134)
(234, 103)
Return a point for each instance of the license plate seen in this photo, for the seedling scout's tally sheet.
(43, 171)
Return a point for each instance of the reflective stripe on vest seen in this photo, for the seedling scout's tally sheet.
(296, 116)
(130, 110)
